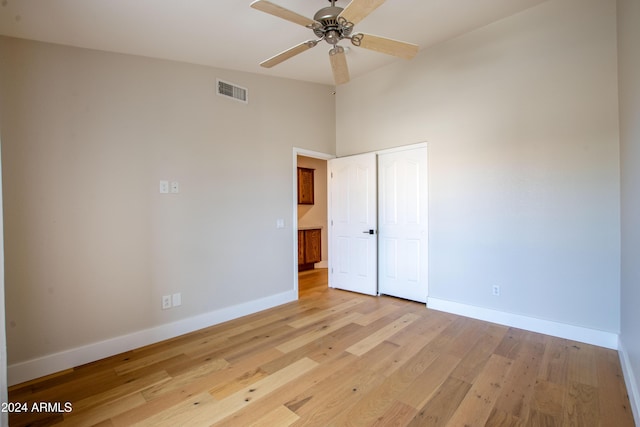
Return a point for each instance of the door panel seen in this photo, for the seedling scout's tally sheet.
(403, 233)
(352, 213)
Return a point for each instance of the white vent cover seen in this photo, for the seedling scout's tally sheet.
(233, 91)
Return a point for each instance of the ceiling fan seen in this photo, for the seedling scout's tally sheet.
(333, 24)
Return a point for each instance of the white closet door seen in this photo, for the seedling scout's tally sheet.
(403, 232)
(352, 224)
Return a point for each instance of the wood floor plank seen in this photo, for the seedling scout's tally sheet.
(129, 388)
(581, 406)
(499, 418)
(376, 338)
(322, 350)
(280, 416)
(399, 389)
(152, 359)
(476, 407)
(377, 314)
(326, 401)
(159, 400)
(467, 338)
(103, 412)
(182, 413)
(519, 387)
(613, 400)
(396, 356)
(548, 398)
(398, 414)
(541, 419)
(374, 404)
(289, 393)
(207, 410)
(340, 358)
(424, 385)
(199, 371)
(323, 314)
(581, 365)
(437, 411)
(258, 390)
(226, 389)
(317, 333)
(475, 360)
(555, 360)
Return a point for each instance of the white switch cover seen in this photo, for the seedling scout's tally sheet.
(175, 187)
(164, 187)
(280, 223)
(176, 299)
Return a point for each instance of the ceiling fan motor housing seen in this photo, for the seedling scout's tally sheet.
(331, 28)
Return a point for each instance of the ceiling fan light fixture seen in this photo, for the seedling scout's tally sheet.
(332, 37)
(336, 50)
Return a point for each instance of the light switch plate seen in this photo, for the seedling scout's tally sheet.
(176, 299)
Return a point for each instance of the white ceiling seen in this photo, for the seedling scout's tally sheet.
(230, 34)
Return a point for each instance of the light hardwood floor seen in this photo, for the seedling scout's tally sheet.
(335, 358)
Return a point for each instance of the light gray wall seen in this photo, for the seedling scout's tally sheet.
(91, 245)
(522, 126)
(629, 84)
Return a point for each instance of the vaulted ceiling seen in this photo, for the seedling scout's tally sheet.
(230, 34)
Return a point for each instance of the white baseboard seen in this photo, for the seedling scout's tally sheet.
(556, 329)
(51, 363)
(321, 264)
(631, 381)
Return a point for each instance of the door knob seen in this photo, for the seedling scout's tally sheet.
(369, 232)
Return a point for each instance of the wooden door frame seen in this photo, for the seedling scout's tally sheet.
(294, 217)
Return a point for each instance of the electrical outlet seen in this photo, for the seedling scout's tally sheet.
(166, 302)
(495, 290)
(164, 187)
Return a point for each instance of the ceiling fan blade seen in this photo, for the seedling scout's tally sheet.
(357, 10)
(389, 46)
(289, 53)
(281, 12)
(339, 65)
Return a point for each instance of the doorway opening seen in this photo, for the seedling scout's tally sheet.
(310, 221)
(372, 222)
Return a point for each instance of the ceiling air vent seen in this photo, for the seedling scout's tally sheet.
(233, 91)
